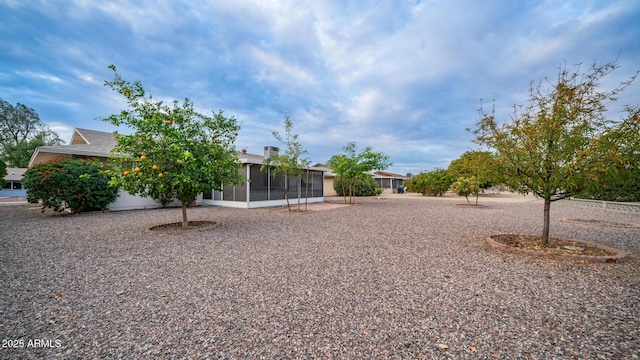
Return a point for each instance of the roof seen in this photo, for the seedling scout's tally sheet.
(385, 174)
(93, 143)
(93, 137)
(84, 142)
(246, 158)
(375, 174)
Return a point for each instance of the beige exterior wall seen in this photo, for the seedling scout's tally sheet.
(328, 187)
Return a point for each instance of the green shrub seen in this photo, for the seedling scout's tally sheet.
(76, 184)
(435, 182)
(616, 190)
(364, 185)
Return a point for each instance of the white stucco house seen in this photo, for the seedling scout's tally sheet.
(13, 183)
(260, 189)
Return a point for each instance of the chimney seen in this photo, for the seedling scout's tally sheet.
(270, 150)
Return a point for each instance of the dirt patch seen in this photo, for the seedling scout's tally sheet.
(472, 206)
(556, 248)
(177, 227)
(312, 207)
(600, 223)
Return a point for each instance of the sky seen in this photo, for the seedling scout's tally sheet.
(404, 77)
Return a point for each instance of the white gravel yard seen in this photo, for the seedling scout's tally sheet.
(401, 277)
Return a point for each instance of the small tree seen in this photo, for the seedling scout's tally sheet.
(479, 165)
(435, 182)
(175, 152)
(351, 164)
(465, 187)
(553, 147)
(289, 163)
(76, 184)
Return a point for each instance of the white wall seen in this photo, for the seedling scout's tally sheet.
(126, 201)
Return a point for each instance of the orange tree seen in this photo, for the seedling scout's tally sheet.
(175, 152)
(562, 141)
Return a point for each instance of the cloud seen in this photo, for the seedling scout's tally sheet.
(63, 130)
(273, 68)
(40, 76)
(404, 77)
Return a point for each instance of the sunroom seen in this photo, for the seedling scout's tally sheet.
(263, 189)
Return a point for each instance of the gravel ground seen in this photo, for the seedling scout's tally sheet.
(392, 278)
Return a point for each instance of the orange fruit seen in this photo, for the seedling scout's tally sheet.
(169, 122)
(143, 158)
(126, 173)
(137, 169)
(160, 175)
(191, 143)
(155, 167)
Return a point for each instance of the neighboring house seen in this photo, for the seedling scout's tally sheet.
(84, 144)
(263, 189)
(390, 182)
(329, 176)
(260, 190)
(13, 186)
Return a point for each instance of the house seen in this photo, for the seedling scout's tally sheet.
(260, 190)
(263, 189)
(93, 144)
(390, 182)
(13, 183)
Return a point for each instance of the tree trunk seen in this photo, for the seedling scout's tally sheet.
(286, 191)
(478, 193)
(545, 227)
(344, 193)
(351, 184)
(185, 223)
(467, 197)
